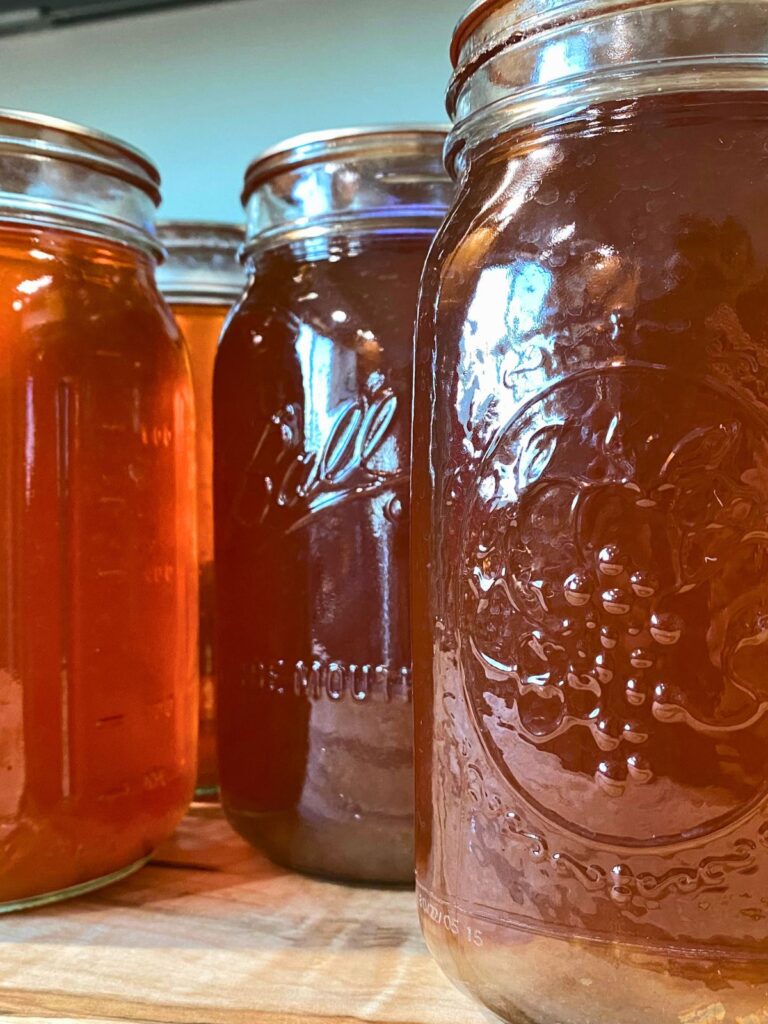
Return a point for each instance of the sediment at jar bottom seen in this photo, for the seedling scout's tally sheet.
(534, 978)
(352, 817)
(371, 852)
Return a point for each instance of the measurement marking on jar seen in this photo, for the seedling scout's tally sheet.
(109, 720)
(154, 779)
(160, 574)
(164, 707)
(156, 437)
(111, 573)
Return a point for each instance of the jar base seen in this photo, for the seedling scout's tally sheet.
(43, 899)
(330, 850)
(534, 976)
(207, 795)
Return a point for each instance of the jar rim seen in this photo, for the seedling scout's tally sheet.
(202, 261)
(58, 174)
(528, 16)
(215, 234)
(110, 153)
(465, 26)
(338, 143)
(523, 62)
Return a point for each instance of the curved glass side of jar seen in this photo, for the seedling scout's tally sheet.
(97, 538)
(201, 278)
(580, 644)
(590, 496)
(97, 557)
(311, 423)
(312, 419)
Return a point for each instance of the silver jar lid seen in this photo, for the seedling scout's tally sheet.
(323, 182)
(58, 174)
(202, 261)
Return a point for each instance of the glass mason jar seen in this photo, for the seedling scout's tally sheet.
(590, 517)
(97, 542)
(312, 398)
(201, 277)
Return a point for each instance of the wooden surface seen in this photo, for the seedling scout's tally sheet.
(211, 933)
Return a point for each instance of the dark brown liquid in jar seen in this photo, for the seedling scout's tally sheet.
(590, 527)
(312, 445)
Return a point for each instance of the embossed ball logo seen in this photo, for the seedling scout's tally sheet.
(358, 456)
(615, 606)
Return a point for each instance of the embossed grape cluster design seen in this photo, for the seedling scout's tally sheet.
(616, 604)
(576, 591)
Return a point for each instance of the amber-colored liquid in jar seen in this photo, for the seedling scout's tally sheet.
(201, 326)
(97, 564)
(591, 637)
(312, 440)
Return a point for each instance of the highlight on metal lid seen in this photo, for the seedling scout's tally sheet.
(202, 261)
(310, 184)
(61, 174)
(340, 143)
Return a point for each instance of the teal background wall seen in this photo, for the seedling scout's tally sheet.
(203, 90)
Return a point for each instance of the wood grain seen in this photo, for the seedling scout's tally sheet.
(212, 933)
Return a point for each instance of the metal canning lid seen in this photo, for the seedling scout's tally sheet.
(202, 261)
(313, 147)
(315, 184)
(525, 62)
(59, 174)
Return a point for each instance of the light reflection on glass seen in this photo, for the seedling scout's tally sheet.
(316, 355)
(311, 193)
(561, 59)
(34, 284)
(29, 436)
(500, 339)
(326, 369)
(562, 234)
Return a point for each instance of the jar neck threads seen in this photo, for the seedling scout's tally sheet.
(362, 180)
(61, 175)
(202, 262)
(524, 62)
